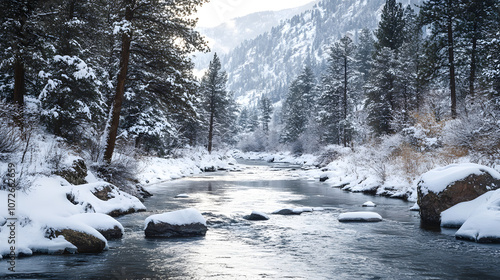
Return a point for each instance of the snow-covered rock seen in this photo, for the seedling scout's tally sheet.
(53, 208)
(288, 211)
(105, 198)
(256, 216)
(479, 219)
(104, 224)
(442, 188)
(181, 223)
(369, 204)
(323, 177)
(360, 217)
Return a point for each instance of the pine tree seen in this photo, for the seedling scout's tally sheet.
(390, 32)
(266, 109)
(381, 92)
(476, 20)
(442, 16)
(216, 99)
(160, 69)
(71, 98)
(338, 85)
(365, 51)
(298, 106)
(17, 43)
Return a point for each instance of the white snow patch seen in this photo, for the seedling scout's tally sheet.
(369, 204)
(179, 217)
(359, 217)
(438, 179)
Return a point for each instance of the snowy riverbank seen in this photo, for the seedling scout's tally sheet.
(35, 219)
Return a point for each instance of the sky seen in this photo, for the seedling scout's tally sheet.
(218, 11)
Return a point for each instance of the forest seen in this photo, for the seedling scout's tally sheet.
(420, 91)
(96, 77)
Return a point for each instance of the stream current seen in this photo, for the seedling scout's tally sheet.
(313, 245)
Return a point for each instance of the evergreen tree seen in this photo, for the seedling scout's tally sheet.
(216, 100)
(266, 110)
(71, 99)
(17, 47)
(390, 32)
(365, 51)
(442, 16)
(476, 20)
(381, 91)
(298, 106)
(335, 102)
(160, 71)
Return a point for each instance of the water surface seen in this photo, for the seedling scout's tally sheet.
(310, 246)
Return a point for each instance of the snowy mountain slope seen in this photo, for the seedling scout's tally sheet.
(268, 63)
(225, 37)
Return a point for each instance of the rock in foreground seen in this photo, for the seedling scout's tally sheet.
(181, 223)
(360, 217)
(442, 188)
(256, 216)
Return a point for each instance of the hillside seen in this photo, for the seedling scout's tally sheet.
(266, 64)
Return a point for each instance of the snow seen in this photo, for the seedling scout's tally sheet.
(369, 204)
(98, 221)
(482, 227)
(478, 219)
(45, 206)
(182, 195)
(179, 217)
(438, 179)
(359, 216)
(153, 170)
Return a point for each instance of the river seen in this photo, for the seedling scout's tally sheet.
(313, 245)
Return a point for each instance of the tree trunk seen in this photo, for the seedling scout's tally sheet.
(473, 66)
(19, 82)
(211, 132)
(451, 60)
(344, 136)
(120, 89)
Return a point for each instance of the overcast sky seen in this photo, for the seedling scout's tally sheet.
(218, 11)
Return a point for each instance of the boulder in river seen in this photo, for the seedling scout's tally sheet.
(256, 216)
(181, 223)
(323, 177)
(360, 217)
(84, 242)
(288, 211)
(104, 224)
(442, 188)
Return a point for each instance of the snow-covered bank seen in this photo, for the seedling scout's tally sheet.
(52, 205)
(153, 170)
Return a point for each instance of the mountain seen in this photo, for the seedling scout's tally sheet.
(268, 63)
(225, 37)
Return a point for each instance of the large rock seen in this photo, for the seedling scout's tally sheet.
(442, 188)
(181, 223)
(84, 242)
(75, 174)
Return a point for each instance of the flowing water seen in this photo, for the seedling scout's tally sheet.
(313, 245)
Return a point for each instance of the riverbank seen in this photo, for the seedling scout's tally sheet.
(37, 208)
